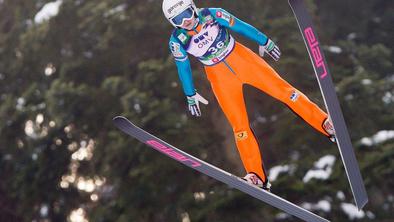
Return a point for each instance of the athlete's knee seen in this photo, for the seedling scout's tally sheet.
(292, 95)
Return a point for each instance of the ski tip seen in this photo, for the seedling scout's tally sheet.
(117, 118)
(120, 120)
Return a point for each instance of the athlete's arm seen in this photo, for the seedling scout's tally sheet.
(226, 19)
(183, 65)
(185, 75)
(233, 23)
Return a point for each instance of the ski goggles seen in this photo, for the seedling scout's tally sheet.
(185, 15)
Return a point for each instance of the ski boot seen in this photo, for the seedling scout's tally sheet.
(328, 127)
(255, 180)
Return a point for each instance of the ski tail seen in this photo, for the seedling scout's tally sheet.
(216, 173)
(327, 88)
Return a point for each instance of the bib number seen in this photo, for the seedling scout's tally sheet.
(216, 48)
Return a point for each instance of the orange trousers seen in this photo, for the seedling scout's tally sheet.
(227, 78)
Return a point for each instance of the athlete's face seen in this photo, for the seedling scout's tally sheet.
(189, 23)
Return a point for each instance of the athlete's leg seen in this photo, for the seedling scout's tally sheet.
(262, 76)
(228, 91)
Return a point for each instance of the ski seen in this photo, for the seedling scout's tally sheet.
(327, 89)
(233, 181)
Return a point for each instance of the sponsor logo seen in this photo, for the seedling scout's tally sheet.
(182, 37)
(221, 56)
(239, 136)
(176, 49)
(317, 57)
(203, 40)
(219, 14)
(223, 15)
(254, 180)
(294, 96)
(178, 4)
(328, 127)
(173, 153)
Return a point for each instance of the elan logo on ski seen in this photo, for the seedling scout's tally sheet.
(172, 153)
(315, 50)
(216, 173)
(331, 101)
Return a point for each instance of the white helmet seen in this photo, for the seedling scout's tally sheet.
(178, 10)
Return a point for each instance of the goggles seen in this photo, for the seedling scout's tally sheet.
(185, 15)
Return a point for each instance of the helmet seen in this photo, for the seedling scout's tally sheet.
(178, 10)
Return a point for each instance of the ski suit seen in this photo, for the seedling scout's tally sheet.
(228, 66)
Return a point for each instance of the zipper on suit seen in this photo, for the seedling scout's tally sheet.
(229, 67)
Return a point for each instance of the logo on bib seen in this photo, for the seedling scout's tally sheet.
(203, 40)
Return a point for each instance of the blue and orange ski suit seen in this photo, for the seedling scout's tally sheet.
(229, 65)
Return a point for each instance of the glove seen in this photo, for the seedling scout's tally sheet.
(193, 103)
(271, 49)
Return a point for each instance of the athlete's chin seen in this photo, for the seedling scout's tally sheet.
(189, 27)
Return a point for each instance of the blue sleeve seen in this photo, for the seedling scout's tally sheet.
(234, 24)
(183, 64)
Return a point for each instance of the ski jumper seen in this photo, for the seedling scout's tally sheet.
(228, 66)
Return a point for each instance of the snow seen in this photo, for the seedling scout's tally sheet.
(273, 118)
(370, 215)
(325, 161)
(322, 169)
(117, 9)
(349, 97)
(20, 103)
(379, 137)
(49, 69)
(40, 118)
(352, 211)
(276, 170)
(323, 205)
(334, 49)
(199, 196)
(48, 11)
(282, 216)
(185, 217)
(29, 130)
(77, 215)
(366, 82)
(352, 36)
(390, 77)
(44, 210)
(388, 98)
(137, 107)
(340, 195)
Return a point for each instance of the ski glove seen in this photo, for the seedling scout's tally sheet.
(193, 103)
(271, 48)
